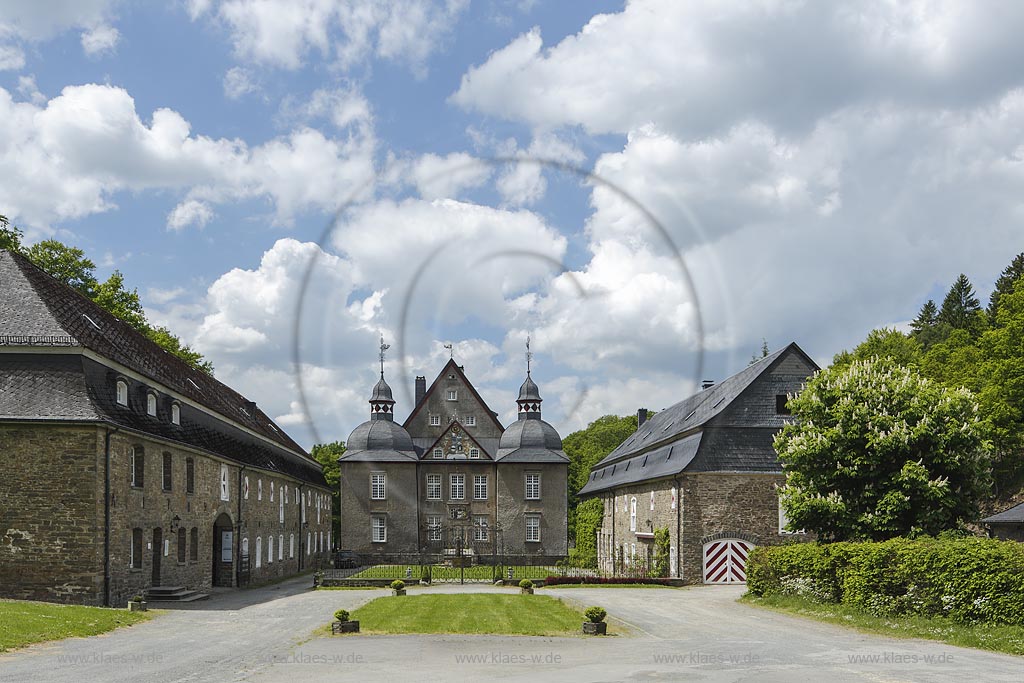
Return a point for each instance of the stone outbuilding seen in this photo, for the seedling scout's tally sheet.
(127, 470)
(1007, 525)
(704, 469)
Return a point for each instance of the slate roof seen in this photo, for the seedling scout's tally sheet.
(1014, 515)
(38, 311)
(684, 436)
(381, 440)
(530, 440)
(452, 366)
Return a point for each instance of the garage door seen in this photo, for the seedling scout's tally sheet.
(725, 561)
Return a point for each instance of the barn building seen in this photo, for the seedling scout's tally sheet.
(452, 480)
(1007, 525)
(706, 470)
(127, 471)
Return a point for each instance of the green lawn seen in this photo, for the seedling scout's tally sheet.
(478, 613)
(442, 572)
(1000, 638)
(23, 623)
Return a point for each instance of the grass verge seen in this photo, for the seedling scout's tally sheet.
(995, 637)
(481, 613)
(23, 623)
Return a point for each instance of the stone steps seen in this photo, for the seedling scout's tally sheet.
(174, 594)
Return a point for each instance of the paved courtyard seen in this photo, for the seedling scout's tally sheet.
(698, 634)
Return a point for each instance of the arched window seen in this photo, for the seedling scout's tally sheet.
(245, 487)
(138, 466)
(245, 548)
(280, 508)
(259, 489)
(190, 475)
(182, 545)
(175, 414)
(259, 552)
(194, 545)
(270, 549)
(280, 547)
(632, 514)
(224, 485)
(151, 404)
(122, 392)
(167, 472)
(309, 542)
(271, 492)
(291, 546)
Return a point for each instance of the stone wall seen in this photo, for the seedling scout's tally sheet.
(399, 507)
(552, 508)
(51, 531)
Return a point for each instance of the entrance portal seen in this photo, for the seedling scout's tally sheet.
(223, 551)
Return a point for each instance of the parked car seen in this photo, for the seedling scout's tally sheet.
(346, 559)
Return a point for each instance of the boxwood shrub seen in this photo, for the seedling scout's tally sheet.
(966, 579)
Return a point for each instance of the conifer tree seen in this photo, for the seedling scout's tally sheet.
(961, 309)
(1004, 285)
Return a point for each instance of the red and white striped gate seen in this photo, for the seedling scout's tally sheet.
(725, 560)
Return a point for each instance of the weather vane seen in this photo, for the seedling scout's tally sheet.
(383, 347)
(529, 355)
(451, 351)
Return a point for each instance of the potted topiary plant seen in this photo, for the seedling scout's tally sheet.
(318, 578)
(526, 587)
(398, 587)
(137, 604)
(343, 624)
(595, 624)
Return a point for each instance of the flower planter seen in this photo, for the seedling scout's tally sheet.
(344, 627)
(398, 591)
(592, 628)
(137, 606)
(526, 591)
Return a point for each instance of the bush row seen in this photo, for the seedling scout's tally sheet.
(556, 580)
(967, 579)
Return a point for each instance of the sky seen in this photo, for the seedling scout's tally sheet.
(646, 189)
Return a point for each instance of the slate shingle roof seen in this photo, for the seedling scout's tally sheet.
(1011, 516)
(36, 311)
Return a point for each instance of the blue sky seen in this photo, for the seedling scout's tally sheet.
(821, 169)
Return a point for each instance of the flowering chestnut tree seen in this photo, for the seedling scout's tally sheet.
(876, 451)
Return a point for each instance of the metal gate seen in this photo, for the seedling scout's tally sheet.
(725, 561)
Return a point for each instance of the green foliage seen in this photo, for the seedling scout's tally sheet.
(114, 298)
(662, 543)
(327, 454)
(966, 579)
(172, 344)
(961, 309)
(23, 622)
(397, 585)
(587, 447)
(67, 264)
(341, 615)
(1004, 285)
(589, 514)
(878, 451)
(595, 614)
(885, 343)
(526, 583)
(10, 235)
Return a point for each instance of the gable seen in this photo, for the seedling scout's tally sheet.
(756, 405)
(464, 405)
(455, 442)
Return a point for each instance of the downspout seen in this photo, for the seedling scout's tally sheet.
(679, 528)
(106, 514)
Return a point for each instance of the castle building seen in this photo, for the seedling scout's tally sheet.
(451, 479)
(127, 471)
(706, 470)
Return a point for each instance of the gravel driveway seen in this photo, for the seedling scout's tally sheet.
(698, 634)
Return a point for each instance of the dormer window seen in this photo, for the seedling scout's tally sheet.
(474, 453)
(453, 395)
(151, 404)
(122, 392)
(175, 414)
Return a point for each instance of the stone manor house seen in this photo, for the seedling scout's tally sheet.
(451, 479)
(125, 469)
(705, 469)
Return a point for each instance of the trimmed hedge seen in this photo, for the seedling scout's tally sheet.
(556, 580)
(967, 580)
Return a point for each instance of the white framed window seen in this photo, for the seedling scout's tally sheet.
(296, 496)
(379, 529)
(225, 489)
(245, 546)
(291, 546)
(433, 527)
(474, 453)
(652, 499)
(259, 552)
(533, 486)
(377, 489)
(270, 550)
(280, 546)
(259, 489)
(122, 392)
(321, 541)
(453, 395)
(471, 420)
(245, 487)
(458, 486)
(479, 487)
(151, 405)
(435, 420)
(302, 508)
(532, 528)
(632, 514)
(328, 546)
(309, 541)
(438, 453)
(675, 493)
(175, 414)
(480, 527)
(784, 522)
(138, 466)
(167, 547)
(280, 509)
(271, 492)
(433, 487)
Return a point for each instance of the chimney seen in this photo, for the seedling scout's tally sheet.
(421, 389)
(707, 384)
(641, 417)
